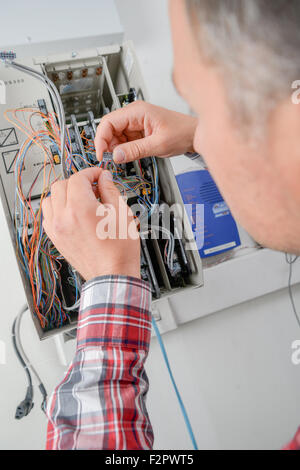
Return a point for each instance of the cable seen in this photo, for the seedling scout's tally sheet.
(20, 345)
(290, 261)
(27, 404)
(73, 307)
(24, 408)
(181, 404)
(28, 364)
(57, 103)
(37, 256)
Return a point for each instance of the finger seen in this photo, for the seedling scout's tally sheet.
(115, 141)
(114, 124)
(80, 187)
(47, 209)
(59, 195)
(96, 190)
(137, 149)
(101, 143)
(108, 192)
(107, 134)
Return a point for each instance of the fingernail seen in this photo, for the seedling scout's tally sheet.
(107, 175)
(119, 155)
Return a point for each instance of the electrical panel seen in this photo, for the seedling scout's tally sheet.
(91, 83)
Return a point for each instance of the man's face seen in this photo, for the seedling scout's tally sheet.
(260, 181)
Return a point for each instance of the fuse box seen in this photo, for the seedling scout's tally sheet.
(91, 83)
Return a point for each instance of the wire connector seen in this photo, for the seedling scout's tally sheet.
(26, 405)
(107, 157)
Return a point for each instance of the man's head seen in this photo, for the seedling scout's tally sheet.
(234, 63)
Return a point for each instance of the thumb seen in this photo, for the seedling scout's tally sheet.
(108, 192)
(135, 150)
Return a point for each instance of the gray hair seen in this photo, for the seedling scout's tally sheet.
(256, 43)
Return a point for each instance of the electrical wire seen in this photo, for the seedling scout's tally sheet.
(181, 404)
(291, 260)
(20, 345)
(18, 354)
(38, 257)
(169, 248)
(26, 406)
(56, 101)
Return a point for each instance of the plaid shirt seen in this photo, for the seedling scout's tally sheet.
(100, 404)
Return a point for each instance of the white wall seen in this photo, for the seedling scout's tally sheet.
(233, 368)
(41, 28)
(147, 24)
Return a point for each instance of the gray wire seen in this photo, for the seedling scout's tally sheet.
(56, 101)
(18, 346)
(73, 307)
(42, 78)
(171, 246)
(19, 356)
(59, 109)
(29, 366)
(46, 80)
(290, 261)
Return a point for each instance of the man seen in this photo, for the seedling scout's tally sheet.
(234, 63)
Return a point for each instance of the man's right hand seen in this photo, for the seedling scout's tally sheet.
(142, 130)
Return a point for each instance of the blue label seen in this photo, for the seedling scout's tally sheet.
(219, 227)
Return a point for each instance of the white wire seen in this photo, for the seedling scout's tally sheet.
(29, 366)
(73, 307)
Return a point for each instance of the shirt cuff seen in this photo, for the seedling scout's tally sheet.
(115, 312)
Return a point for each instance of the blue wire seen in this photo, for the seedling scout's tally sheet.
(183, 410)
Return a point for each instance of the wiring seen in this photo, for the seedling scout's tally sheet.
(49, 275)
(38, 257)
(24, 408)
(41, 262)
(169, 248)
(291, 260)
(56, 100)
(27, 404)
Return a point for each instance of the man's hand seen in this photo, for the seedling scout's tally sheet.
(142, 130)
(74, 220)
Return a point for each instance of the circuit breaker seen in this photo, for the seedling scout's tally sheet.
(91, 83)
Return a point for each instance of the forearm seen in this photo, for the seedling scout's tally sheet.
(101, 402)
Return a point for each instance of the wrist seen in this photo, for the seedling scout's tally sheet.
(128, 271)
(193, 126)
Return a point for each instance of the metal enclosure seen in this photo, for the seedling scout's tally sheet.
(121, 72)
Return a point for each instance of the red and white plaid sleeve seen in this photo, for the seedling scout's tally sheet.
(295, 443)
(100, 404)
